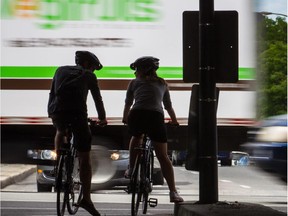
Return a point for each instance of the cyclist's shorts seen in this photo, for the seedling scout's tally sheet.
(80, 129)
(149, 122)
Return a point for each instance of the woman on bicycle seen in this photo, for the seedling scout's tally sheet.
(148, 91)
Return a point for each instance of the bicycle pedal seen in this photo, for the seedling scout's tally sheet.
(153, 202)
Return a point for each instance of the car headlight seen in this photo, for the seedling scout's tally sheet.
(48, 155)
(119, 155)
(42, 154)
(115, 156)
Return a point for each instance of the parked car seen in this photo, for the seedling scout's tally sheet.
(178, 158)
(108, 169)
(268, 145)
(225, 158)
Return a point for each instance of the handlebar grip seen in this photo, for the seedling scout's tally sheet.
(94, 123)
(173, 124)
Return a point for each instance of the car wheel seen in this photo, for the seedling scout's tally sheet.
(176, 162)
(179, 163)
(226, 162)
(158, 178)
(44, 187)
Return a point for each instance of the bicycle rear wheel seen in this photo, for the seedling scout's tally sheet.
(147, 171)
(136, 188)
(75, 192)
(61, 181)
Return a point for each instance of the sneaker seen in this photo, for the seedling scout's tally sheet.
(175, 197)
(89, 207)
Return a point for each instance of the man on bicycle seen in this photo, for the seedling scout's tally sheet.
(68, 106)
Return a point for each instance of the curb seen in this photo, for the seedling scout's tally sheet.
(7, 180)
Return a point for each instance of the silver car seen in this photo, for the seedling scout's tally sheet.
(108, 168)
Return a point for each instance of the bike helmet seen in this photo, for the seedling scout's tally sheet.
(82, 56)
(146, 62)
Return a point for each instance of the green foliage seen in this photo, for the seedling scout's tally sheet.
(272, 67)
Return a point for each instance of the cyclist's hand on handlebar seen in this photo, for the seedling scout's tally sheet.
(102, 123)
(173, 123)
(124, 121)
(94, 123)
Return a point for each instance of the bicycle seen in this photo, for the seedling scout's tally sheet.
(67, 184)
(141, 182)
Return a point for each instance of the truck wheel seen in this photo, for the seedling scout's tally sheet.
(44, 187)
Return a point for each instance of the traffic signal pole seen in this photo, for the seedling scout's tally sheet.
(208, 166)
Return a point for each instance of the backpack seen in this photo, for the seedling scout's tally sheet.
(64, 96)
(71, 84)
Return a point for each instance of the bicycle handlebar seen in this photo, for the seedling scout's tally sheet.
(167, 123)
(170, 123)
(101, 123)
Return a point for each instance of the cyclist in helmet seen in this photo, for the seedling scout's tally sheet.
(67, 106)
(147, 93)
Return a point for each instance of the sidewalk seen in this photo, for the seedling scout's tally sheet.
(12, 173)
(224, 209)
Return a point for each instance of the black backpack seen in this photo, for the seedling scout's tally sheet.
(64, 96)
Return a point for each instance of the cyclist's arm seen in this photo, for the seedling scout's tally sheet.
(172, 115)
(95, 91)
(168, 106)
(128, 102)
(125, 114)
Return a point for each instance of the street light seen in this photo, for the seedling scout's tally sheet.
(266, 13)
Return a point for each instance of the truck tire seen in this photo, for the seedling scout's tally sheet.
(44, 187)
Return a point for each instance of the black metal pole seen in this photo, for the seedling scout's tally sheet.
(208, 188)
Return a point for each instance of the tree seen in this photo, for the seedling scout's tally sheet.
(272, 67)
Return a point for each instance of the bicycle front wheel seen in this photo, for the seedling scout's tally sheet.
(136, 188)
(61, 180)
(75, 191)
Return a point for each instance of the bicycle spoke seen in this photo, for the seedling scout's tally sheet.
(136, 190)
(61, 186)
(75, 186)
(147, 178)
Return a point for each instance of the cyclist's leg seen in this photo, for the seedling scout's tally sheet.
(167, 170)
(158, 135)
(60, 123)
(165, 163)
(82, 142)
(135, 141)
(136, 121)
(85, 174)
(59, 139)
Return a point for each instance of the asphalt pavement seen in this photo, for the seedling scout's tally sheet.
(12, 173)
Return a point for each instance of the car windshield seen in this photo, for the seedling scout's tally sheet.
(280, 120)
